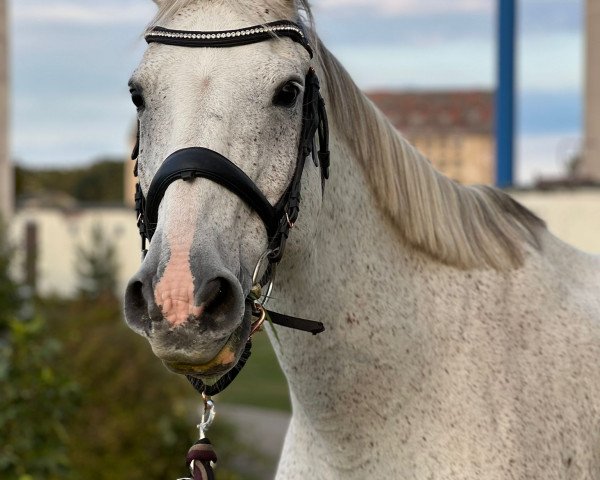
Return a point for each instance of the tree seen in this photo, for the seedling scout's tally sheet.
(97, 266)
(101, 182)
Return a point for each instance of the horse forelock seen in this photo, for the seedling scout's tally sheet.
(463, 226)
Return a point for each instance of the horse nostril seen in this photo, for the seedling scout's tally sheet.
(135, 295)
(136, 306)
(216, 296)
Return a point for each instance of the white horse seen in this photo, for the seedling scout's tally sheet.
(463, 339)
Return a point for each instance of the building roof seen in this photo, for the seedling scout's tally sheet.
(440, 111)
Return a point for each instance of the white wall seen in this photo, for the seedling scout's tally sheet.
(60, 233)
(573, 216)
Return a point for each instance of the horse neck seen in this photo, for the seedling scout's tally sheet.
(355, 278)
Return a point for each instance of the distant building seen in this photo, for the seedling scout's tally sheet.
(6, 169)
(589, 168)
(49, 237)
(453, 129)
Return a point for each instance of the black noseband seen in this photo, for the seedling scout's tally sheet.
(198, 162)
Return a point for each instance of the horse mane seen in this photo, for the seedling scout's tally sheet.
(463, 226)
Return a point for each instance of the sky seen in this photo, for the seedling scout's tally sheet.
(71, 60)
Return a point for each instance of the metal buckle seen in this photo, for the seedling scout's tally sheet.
(289, 222)
(256, 326)
(262, 299)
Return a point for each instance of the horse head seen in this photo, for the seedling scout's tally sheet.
(244, 108)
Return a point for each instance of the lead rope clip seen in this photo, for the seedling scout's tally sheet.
(201, 458)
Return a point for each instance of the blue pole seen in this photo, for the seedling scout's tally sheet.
(505, 94)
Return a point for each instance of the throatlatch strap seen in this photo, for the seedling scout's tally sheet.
(296, 323)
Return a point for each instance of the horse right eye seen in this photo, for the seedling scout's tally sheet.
(287, 95)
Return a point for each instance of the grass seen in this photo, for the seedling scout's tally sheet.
(261, 383)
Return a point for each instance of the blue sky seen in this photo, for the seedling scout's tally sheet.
(71, 60)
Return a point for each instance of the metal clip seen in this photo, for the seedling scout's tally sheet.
(206, 420)
(208, 416)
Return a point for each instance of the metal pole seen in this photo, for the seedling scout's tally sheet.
(6, 170)
(589, 168)
(505, 94)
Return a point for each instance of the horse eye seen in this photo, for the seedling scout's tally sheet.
(287, 95)
(137, 99)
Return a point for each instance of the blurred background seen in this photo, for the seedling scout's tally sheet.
(81, 396)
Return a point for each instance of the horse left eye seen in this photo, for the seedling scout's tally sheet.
(287, 95)
(137, 98)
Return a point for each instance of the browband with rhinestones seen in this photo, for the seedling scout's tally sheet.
(229, 38)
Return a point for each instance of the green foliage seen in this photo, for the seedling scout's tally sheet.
(35, 398)
(135, 418)
(103, 181)
(35, 402)
(98, 183)
(9, 298)
(97, 266)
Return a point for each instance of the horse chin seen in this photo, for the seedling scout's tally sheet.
(224, 361)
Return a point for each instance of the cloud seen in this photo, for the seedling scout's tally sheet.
(413, 6)
(70, 13)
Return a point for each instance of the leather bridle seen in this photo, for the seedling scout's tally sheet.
(200, 162)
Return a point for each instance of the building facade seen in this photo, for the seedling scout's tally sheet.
(453, 129)
(49, 239)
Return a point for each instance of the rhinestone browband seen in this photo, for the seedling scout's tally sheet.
(228, 38)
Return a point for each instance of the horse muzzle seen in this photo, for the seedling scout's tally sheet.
(196, 321)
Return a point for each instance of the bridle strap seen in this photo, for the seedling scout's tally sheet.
(230, 38)
(314, 121)
(198, 162)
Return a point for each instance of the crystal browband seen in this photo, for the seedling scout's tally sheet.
(228, 38)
